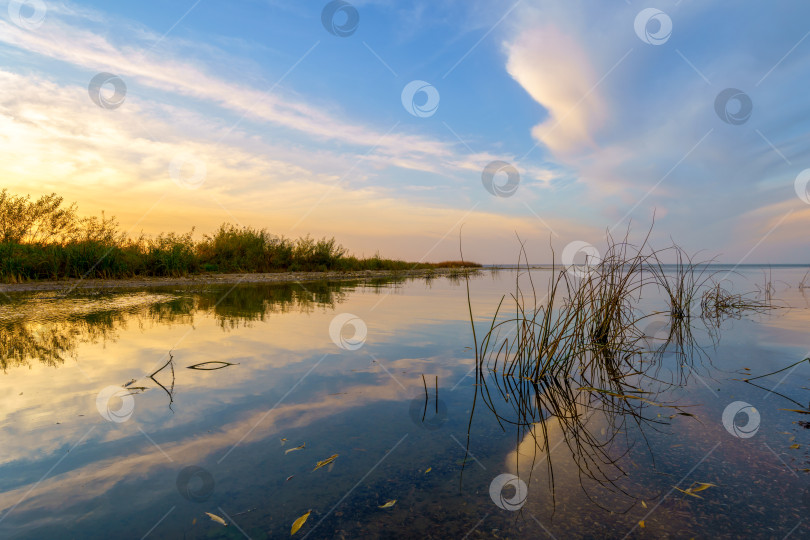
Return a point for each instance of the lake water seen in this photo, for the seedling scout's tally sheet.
(93, 447)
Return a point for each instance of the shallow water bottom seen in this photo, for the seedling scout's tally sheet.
(261, 385)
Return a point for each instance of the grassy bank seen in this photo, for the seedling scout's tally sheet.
(46, 239)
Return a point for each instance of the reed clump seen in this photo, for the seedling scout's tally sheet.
(584, 348)
(718, 303)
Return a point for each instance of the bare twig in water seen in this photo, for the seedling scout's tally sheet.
(778, 371)
(169, 392)
(424, 410)
(211, 366)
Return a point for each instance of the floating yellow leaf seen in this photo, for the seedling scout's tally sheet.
(688, 492)
(795, 446)
(641, 523)
(298, 523)
(283, 441)
(700, 486)
(389, 504)
(294, 449)
(216, 518)
(194, 521)
(428, 470)
(325, 462)
(643, 504)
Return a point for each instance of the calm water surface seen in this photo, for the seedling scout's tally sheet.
(93, 447)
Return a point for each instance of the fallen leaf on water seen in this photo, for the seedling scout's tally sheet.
(428, 470)
(298, 523)
(643, 504)
(700, 486)
(325, 462)
(389, 504)
(687, 492)
(209, 366)
(795, 446)
(287, 451)
(289, 478)
(695, 487)
(216, 518)
(796, 410)
(283, 441)
(641, 524)
(194, 521)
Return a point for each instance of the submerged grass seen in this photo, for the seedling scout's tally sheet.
(44, 239)
(718, 303)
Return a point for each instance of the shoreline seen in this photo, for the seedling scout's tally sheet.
(226, 279)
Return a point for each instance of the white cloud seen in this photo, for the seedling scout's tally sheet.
(553, 68)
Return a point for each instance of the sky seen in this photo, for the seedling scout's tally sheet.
(412, 128)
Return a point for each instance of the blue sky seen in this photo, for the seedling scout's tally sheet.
(253, 112)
